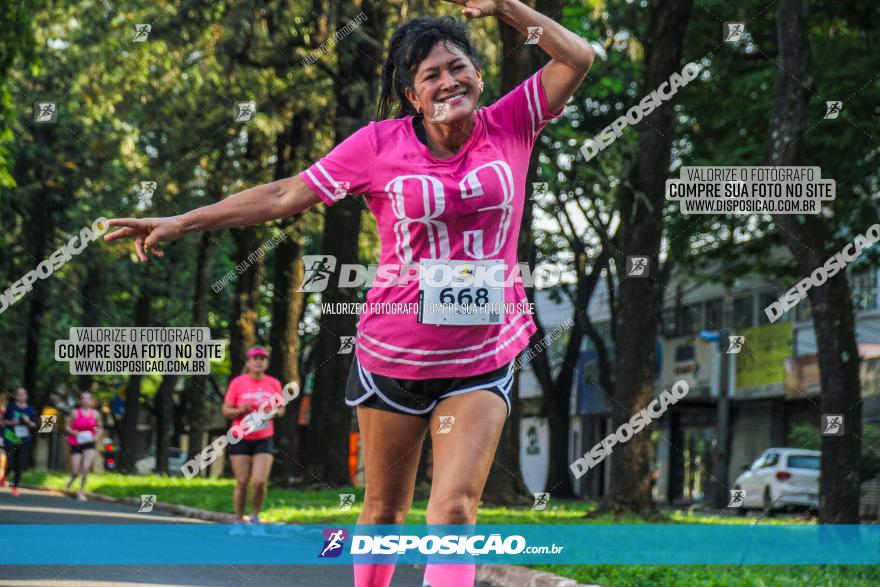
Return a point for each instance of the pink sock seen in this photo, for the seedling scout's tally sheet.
(437, 575)
(372, 575)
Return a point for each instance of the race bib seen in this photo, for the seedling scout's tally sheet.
(262, 426)
(258, 416)
(21, 431)
(461, 293)
(85, 436)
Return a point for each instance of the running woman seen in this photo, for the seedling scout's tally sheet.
(20, 425)
(83, 432)
(446, 181)
(251, 457)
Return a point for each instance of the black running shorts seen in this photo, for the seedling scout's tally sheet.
(78, 449)
(249, 448)
(418, 397)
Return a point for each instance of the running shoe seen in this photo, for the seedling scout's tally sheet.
(257, 528)
(80, 497)
(15, 492)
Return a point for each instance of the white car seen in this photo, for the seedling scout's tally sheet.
(781, 478)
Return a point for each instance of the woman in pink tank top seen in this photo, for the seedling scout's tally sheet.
(83, 432)
(446, 181)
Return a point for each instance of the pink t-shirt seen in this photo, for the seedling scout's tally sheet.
(466, 207)
(245, 389)
(84, 423)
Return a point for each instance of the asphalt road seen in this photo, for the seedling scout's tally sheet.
(36, 507)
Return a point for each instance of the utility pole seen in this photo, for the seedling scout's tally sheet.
(722, 454)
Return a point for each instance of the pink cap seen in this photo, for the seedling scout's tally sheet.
(257, 351)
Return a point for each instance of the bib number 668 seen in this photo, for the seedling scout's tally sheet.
(464, 297)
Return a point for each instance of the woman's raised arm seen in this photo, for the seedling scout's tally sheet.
(571, 55)
(255, 205)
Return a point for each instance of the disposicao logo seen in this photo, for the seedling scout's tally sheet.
(334, 541)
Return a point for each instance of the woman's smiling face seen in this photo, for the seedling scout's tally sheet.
(446, 76)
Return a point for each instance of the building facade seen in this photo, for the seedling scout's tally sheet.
(772, 383)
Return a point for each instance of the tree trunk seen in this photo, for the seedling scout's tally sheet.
(558, 393)
(833, 317)
(45, 209)
(355, 88)
(838, 355)
(243, 317)
(326, 449)
(164, 420)
(287, 310)
(36, 237)
(640, 300)
(288, 305)
(133, 389)
(196, 403)
(32, 341)
(91, 290)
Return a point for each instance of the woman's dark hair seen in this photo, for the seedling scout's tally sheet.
(410, 45)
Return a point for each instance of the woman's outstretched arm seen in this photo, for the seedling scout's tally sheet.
(255, 205)
(571, 55)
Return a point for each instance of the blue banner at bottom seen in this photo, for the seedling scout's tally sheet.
(285, 544)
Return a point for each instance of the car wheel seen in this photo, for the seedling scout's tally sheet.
(768, 503)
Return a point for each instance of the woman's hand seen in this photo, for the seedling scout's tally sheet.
(478, 8)
(148, 233)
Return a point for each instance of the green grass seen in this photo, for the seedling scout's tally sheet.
(318, 506)
(299, 506)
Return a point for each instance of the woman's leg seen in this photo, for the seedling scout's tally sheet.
(462, 460)
(88, 457)
(261, 466)
(75, 465)
(18, 459)
(392, 446)
(241, 469)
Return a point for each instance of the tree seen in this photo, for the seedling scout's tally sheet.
(16, 43)
(639, 301)
(747, 78)
(807, 238)
(133, 389)
(355, 87)
(288, 304)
